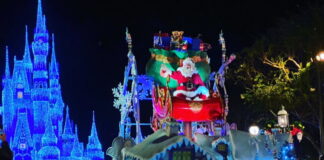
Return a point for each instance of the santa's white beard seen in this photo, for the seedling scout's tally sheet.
(186, 72)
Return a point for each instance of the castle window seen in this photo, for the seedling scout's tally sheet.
(20, 94)
(20, 86)
(222, 149)
(22, 146)
(182, 154)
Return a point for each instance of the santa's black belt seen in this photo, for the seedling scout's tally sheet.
(189, 85)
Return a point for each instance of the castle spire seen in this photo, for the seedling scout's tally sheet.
(53, 65)
(93, 117)
(39, 75)
(94, 133)
(40, 27)
(27, 58)
(76, 133)
(77, 151)
(49, 138)
(7, 99)
(67, 127)
(22, 135)
(7, 72)
(49, 141)
(44, 23)
(94, 149)
(68, 136)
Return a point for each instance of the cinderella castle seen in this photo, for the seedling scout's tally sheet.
(32, 108)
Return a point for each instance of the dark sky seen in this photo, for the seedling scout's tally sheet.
(91, 49)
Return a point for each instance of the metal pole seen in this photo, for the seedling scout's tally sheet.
(187, 129)
(321, 127)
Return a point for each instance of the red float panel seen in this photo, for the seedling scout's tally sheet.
(195, 111)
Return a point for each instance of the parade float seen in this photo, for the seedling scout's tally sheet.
(190, 107)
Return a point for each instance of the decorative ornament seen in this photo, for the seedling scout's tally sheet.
(176, 39)
(121, 101)
(300, 136)
(297, 130)
(269, 126)
(195, 106)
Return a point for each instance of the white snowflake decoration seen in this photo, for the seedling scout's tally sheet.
(121, 101)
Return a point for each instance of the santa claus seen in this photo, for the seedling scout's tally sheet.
(190, 85)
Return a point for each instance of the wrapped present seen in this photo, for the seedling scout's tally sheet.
(204, 47)
(195, 45)
(187, 40)
(176, 41)
(161, 40)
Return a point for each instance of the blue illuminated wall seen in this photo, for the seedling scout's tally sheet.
(32, 105)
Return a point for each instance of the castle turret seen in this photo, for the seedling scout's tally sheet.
(32, 110)
(7, 100)
(49, 150)
(94, 149)
(27, 60)
(77, 151)
(20, 79)
(21, 92)
(40, 92)
(20, 84)
(53, 68)
(67, 136)
(56, 102)
(7, 70)
(40, 49)
(22, 144)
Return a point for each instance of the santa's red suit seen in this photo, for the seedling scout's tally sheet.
(189, 86)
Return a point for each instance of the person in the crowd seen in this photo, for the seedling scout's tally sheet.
(5, 151)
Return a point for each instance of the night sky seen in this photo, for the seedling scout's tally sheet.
(91, 47)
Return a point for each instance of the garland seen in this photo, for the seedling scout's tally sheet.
(271, 126)
(297, 127)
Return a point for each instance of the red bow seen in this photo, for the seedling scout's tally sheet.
(295, 130)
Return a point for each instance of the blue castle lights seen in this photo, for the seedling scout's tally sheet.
(33, 109)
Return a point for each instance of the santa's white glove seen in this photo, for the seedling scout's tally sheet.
(202, 90)
(165, 71)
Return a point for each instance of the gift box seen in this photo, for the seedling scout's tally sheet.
(162, 40)
(195, 44)
(187, 39)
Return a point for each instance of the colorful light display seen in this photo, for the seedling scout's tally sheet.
(32, 106)
(185, 127)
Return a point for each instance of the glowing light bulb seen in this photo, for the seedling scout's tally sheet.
(254, 130)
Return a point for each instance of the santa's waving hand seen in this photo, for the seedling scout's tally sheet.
(165, 71)
(190, 85)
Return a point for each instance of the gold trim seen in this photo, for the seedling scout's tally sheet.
(195, 107)
(165, 59)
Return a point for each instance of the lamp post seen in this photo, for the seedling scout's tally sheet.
(300, 136)
(254, 131)
(320, 58)
(283, 119)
